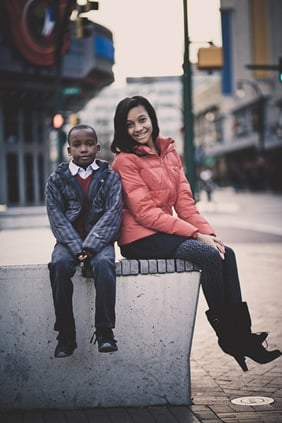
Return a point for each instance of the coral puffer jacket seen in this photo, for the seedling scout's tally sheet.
(157, 195)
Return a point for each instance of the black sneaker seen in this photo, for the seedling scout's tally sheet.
(65, 349)
(105, 339)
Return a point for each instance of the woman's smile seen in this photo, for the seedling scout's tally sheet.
(140, 136)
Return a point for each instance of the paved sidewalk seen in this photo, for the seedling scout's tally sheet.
(216, 377)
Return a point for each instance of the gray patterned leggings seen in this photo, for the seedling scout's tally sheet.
(219, 278)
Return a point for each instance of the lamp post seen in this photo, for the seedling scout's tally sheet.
(260, 104)
(60, 30)
(188, 119)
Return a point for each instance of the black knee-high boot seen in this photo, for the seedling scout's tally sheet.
(233, 328)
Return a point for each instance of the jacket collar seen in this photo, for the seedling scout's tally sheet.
(77, 169)
(63, 168)
(164, 145)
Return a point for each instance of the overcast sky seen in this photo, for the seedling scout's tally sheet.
(149, 34)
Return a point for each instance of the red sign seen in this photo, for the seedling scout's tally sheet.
(33, 25)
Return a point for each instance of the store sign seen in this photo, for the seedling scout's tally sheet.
(104, 47)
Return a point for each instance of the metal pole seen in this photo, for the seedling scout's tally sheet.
(60, 29)
(58, 77)
(188, 118)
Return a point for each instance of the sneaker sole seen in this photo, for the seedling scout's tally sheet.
(107, 348)
(63, 354)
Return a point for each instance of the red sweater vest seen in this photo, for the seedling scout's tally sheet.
(80, 222)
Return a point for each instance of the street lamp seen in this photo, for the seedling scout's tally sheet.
(60, 30)
(188, 119)
(260, 103)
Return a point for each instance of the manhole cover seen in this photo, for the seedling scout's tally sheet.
(252, 401)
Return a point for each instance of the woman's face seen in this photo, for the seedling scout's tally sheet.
(139, 125)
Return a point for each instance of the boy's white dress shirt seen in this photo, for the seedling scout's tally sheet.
(83, 173)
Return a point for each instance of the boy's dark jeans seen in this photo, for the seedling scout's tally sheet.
(62, 267)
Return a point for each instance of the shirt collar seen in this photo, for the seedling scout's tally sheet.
(74, 169)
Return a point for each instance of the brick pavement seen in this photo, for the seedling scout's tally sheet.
(216, 377)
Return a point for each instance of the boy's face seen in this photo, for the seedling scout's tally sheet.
(83, 147)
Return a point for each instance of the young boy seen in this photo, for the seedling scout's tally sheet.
(84, 206)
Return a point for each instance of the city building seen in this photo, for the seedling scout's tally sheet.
(238, 124)
(237, 109)
(49, 66)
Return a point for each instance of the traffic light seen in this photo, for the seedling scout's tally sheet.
(84, 27)
(210, 58)
(280, 70)
(58, 120)
(90, 5)
(73, 119)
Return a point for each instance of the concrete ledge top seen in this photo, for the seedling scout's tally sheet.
(134, 267)
(126, 267)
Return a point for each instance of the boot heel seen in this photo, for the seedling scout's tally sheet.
(241, 361)
(235, 354)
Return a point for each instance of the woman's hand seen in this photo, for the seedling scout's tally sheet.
(213, 241)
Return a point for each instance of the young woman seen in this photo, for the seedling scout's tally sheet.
(160, 220)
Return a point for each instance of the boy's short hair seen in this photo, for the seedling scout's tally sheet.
(81, 126)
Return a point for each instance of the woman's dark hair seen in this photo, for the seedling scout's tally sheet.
(81, 126)
(122, 140)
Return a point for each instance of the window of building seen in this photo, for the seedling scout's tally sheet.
(27, 127)
(41, 178)
(12, 178)
(39, 122)
(209, 127)
(247, 120)
(279, 121)
(11, 130)
(29, 178)
(275, 120)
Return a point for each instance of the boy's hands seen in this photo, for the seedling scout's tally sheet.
(82, 258)
(84, 255)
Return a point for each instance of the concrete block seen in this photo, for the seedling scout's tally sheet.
(153, 268)
(161, 264)
(154, 329)
(125, 266)
(144, 266)
(134, 267)
(170, 265)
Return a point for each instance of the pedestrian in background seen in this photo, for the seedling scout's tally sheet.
(160, 220)
(84, 206)
(206, 183)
